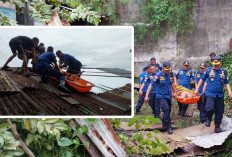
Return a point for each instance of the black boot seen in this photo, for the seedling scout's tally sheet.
(138, 111)
(183, 113)
(207, 122)
(62, 86)
(217, 128)
(165, 126)
(170, 129)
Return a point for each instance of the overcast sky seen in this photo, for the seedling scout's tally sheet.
(94, 47)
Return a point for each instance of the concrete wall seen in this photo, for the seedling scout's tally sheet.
(212, 34)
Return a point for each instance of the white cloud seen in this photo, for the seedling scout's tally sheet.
(94, 47)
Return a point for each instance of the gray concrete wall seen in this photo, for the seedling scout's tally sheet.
(212, 34)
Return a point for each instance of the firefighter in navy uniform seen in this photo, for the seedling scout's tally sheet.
(201, 103)
(152, 93)
(164, 81)
(153, 62)
(217, 77)
(184, 75)
(45, 69)
(141, 96)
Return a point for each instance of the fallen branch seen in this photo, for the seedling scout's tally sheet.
(17, 137)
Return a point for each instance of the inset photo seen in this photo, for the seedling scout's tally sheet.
(75, 71)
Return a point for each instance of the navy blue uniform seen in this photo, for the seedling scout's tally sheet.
(184, 77)
(44, 68)
(142, 77)
(152, 93)
(214, 92)
(74, 65)
(201, 104)
(163, 94)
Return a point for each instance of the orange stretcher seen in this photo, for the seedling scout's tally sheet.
(182, 100)
(79, 84)
(188, 100)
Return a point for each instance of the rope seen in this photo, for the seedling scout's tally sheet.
(99, 72)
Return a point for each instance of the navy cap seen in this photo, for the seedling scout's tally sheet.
(203, 65)
(216, 60)
(186, 63)
(167, 66)
(153, 58)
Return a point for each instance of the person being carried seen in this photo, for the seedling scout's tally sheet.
(74, 65)
(184, 75)
(25, 48)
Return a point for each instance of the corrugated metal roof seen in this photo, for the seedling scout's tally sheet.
(47, 99)
(6, 84)
(22, 81)
(209, 140)
(104, 137)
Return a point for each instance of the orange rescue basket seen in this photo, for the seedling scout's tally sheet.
(79, 84)
(188, 100)
(182, 100)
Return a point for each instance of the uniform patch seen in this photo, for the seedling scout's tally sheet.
(162, 78)
(141, 78)
(151, 77)
(155, 78)
(198, 75)
(212, 79)
(181, 72)
(212, 72)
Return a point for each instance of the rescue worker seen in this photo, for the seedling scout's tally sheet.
(142, 77)
(153, 62)
(209, 63)
(74, 65)
(201, 103)
(45, 69)
(25, 48)
(164, 81)
(184, 75)
(152, 93)
(217, 77)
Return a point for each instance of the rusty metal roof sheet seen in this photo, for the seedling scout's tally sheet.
(104, 137)
(16, 104)
(22, 81)
(49, 100)
(210, 139)
(6, 84)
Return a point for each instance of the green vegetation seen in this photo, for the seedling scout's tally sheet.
(9, 146)
(86, 10)
(161, 16)
(45, 137)
(144, 143)
(227, 65)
